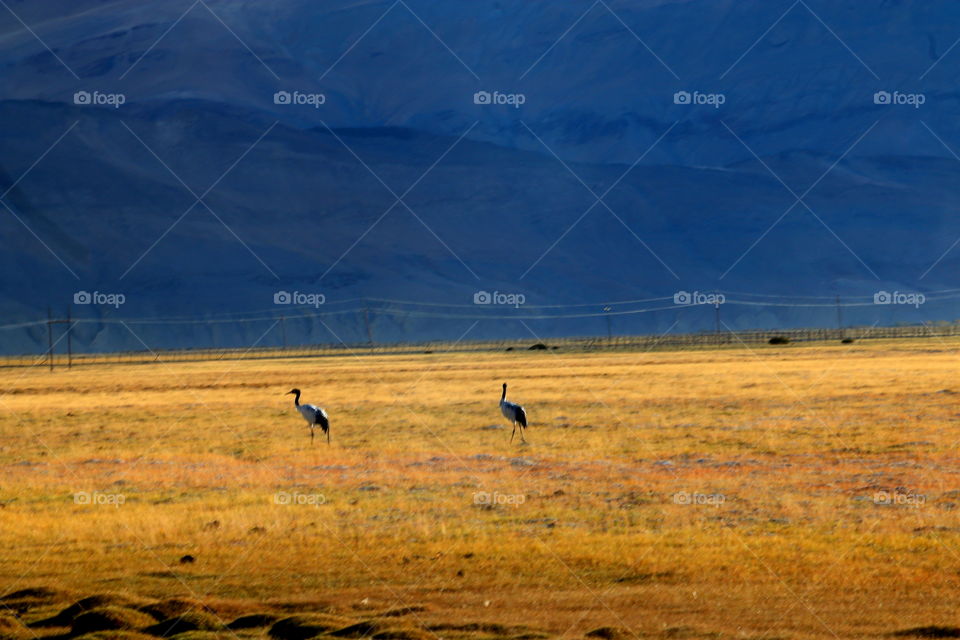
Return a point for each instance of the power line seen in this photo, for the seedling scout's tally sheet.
(481, 312)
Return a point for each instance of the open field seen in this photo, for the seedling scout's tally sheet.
(796, 492)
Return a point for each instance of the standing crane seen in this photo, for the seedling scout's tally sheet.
(514, 413)
(314, 415)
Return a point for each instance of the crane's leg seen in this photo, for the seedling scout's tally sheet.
(311, 435)
(328, 435)
(514, 432)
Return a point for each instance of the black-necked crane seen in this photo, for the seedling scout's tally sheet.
(514, 413)
(314, 415)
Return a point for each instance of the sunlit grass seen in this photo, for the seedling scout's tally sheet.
(729, 491)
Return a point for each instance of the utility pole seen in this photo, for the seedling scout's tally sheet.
(49, 339)
(606, 312)
(69, 340)
(716, 318)
(366, 322)
(839, 317)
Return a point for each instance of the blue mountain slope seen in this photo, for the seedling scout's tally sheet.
(502, 198)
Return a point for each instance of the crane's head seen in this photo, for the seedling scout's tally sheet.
(295, 391)
(504, 385)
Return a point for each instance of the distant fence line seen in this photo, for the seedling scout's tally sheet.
(636, 342)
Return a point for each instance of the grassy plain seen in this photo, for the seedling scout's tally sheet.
(793, 491)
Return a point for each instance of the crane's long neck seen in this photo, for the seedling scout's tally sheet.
(296, 399)
(503, 396)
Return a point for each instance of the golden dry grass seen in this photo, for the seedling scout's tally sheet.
(674, 494)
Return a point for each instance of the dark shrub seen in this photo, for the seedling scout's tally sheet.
(609, 633)
(253, 621)
(66, 616)
(110, 618)
(933, 631)
(190, 621)
(303, 627)
(173, 607)
(403, 634)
